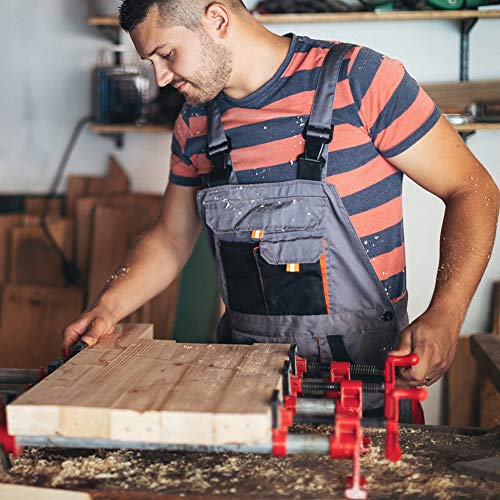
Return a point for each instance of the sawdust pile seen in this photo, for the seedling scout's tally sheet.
(424, 472)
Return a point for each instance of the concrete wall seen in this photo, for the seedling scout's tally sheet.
(48, 51)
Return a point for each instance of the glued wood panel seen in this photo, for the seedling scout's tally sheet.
(158, 391)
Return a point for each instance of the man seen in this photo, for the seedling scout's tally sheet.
(259, 88)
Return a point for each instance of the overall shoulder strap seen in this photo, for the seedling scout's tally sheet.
(219, 149)
(318, 132)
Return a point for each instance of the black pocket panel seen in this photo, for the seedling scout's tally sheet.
(244, 288)
(288, 293)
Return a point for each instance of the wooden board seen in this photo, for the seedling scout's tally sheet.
(158, 391)
(32, 321)
(115, 231)
(486, 350)
(34, 261)
(37, 205)
(7, 224)
(17, 492)
(495, 309)
(462, 387)
(116, 182)
(85, 210)
(161, 311)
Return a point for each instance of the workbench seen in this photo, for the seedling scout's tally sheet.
(425, 471)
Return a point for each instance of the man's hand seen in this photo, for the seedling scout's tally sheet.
(89, 327)
(434, 339)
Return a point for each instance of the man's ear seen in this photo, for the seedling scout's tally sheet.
(217, 19)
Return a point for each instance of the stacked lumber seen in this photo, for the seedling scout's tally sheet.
(103, 221)
(132, 388)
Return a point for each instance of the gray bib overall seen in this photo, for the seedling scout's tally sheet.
(291, 268)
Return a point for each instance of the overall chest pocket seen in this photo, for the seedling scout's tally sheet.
(281, 277)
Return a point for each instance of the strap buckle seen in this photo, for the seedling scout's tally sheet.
(311, 163)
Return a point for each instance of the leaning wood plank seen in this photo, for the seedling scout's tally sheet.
(17, 492)
(85, 209)
(59, 386)
(32, 321)
(495, 309)
(462, 387)
(34, 260)
(7, 224)
(158, 391)
(116, 182)
(38, 205)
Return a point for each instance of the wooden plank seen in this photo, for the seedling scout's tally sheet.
(19, 492)
(33, 319)
(116, 182)
(495, 309)
(158, 391)
(486, 350)
(489, 403)
(161, 311)
(34, 261)
(37, 205)
(462, 387)
(7, 224)
(85, 210)
(115, 231)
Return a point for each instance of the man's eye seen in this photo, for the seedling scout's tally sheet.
(167, 56)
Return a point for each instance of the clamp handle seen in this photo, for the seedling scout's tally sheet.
(393, 395)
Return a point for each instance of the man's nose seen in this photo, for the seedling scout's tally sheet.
(163, 75)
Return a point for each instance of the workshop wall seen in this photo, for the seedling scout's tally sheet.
(48, 51)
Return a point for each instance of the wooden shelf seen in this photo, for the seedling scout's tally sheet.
(428, 15)
(474, 127)
(97, 128)
(328, 17)
(103, 21)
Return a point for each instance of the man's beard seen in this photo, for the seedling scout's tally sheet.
(212, 77)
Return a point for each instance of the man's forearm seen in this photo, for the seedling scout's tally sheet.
(149, 267)
(467, 238)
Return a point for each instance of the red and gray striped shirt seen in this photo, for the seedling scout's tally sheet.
(379, 111)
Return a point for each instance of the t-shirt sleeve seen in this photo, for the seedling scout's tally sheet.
(182, 170)
(395, 111)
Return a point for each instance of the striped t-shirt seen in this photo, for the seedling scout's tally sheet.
(379, 111)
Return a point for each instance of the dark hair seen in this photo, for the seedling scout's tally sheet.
(185, 13)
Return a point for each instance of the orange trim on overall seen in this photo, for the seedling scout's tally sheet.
(324, 276)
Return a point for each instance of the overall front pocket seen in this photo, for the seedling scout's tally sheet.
(277, 278)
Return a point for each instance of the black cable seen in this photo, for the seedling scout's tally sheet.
(72, 274)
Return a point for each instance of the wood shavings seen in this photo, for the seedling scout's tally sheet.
(424, 472)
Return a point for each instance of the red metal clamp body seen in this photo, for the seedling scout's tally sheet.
(392, 397)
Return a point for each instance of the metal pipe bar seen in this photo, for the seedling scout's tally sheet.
(313, 407)
(296, 443)
(19, 376)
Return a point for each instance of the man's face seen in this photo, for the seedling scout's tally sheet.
(190, 61)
